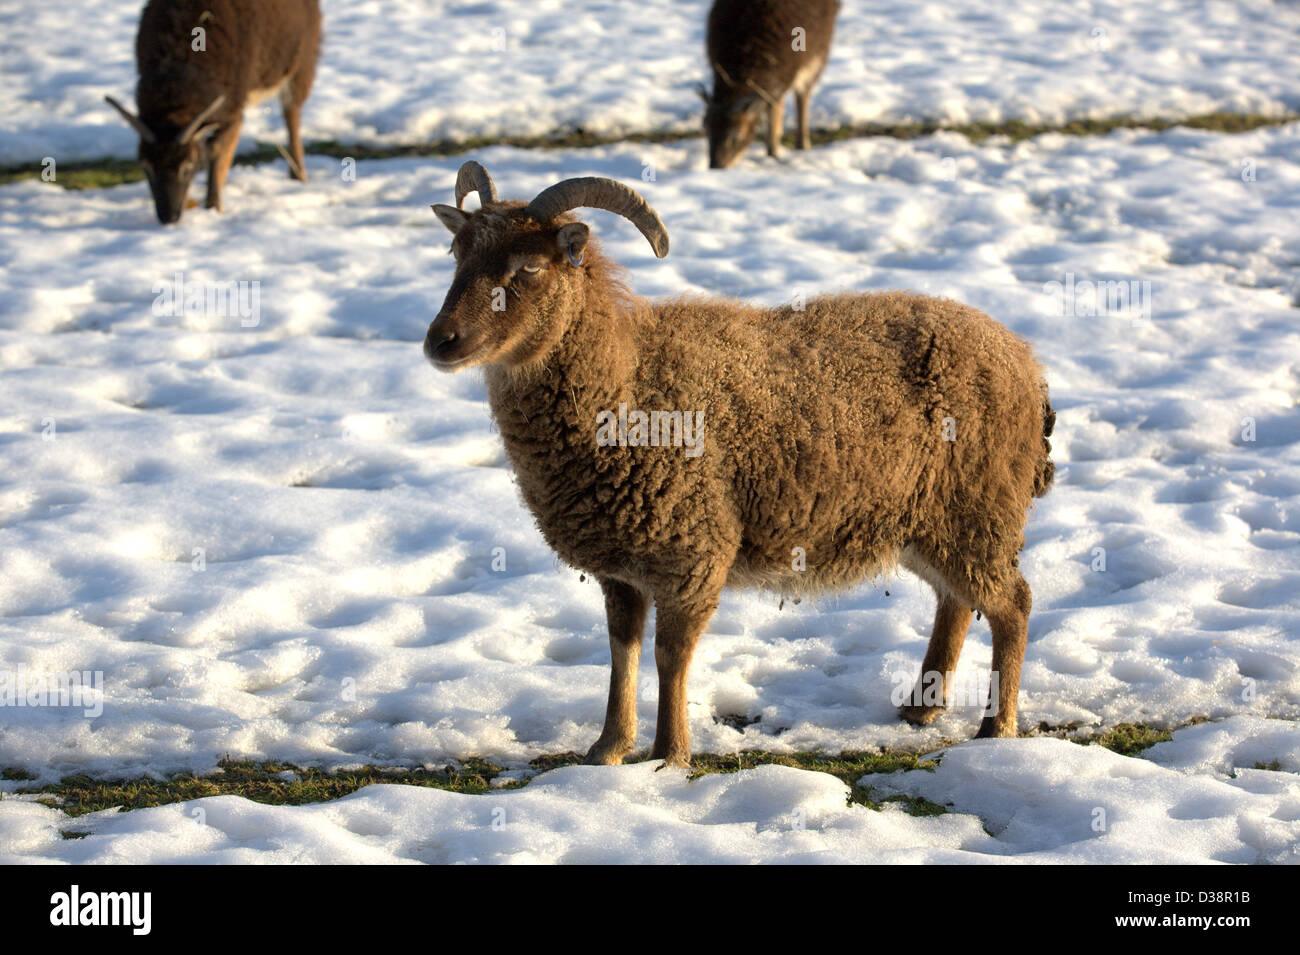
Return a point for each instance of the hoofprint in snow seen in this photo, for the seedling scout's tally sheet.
(277, 533)
(393, 71)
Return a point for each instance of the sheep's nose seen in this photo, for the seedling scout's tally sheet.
(437, 341)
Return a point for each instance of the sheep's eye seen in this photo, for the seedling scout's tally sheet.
(530, 269)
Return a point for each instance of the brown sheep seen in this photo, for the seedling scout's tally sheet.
(201, 63)
(760, 50)
(861, 432)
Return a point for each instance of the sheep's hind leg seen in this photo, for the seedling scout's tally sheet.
(625, 611)
(677, 630)
(1009, 620)
(951, 621)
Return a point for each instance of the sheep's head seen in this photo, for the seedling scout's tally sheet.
(170, 161)
(520, 274)
(730, 122)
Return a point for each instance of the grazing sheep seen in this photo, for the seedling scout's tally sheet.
(861, 432)
(760, 50)
(201, 63)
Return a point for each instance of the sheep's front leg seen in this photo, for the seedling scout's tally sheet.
(677, 629)
(292, 120)
(292, 96)
(625, 610)
(775, 121)
(951, 621)
(801, 102)
(221, 155)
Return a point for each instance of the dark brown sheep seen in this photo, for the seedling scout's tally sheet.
(760, 50)
(861, 432)
(201, 63)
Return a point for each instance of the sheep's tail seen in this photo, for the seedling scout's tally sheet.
(1046, 469)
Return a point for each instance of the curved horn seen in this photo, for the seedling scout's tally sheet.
(595, 193)
(474, 178)
(145, 132)
(196, 123)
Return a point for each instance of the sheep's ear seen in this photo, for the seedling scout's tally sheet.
(145, 132)
(450, 216)
(204, 132)
(572, 239)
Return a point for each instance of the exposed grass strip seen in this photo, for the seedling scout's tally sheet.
(284, 784)
(1129, 739)
(272, 783)
(848, 767)
(102, 173)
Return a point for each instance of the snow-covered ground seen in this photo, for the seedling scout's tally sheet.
(344, 501)
(273, 532)
(1040, 800)
(403, 71)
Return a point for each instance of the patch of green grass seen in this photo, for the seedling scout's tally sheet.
(565, 139)
(916, 805)
(93, 174)
(848, 767)
(1128, 739)
(1274, 766)
(286, 784)
(1017, 130)
(102, 173)
(844, 765)
(556, 761)
(260, 782)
